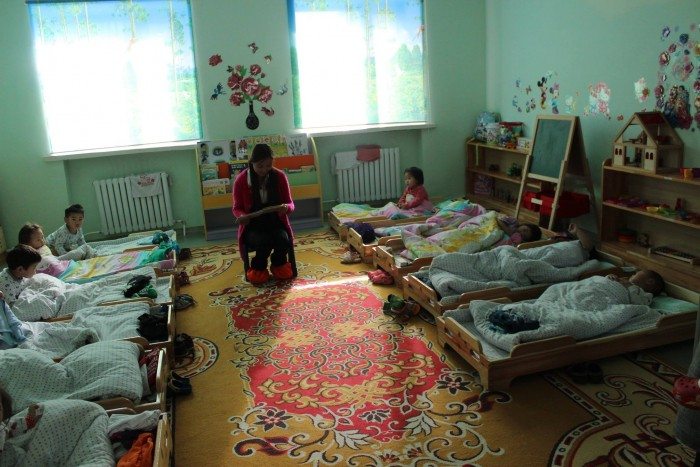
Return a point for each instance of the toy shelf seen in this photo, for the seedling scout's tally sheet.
(480, 156)
(642, 212)
(662, 231)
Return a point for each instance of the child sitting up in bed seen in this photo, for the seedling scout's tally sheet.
(414, 195)
(22, 261)
(69, 237)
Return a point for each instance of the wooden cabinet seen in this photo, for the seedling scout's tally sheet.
(489, 160)
(306, 190)
(622, 183)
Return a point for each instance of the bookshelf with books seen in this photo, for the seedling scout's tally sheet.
(219, 162)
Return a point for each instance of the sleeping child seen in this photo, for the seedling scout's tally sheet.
(582, 309)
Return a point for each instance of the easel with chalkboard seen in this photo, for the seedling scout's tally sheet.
(557, 156)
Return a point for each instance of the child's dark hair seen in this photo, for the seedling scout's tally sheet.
(655, 282)
(415, 173)
(535, 231)
(6, 403)
(22, 255)
(74, 209)
(26, 232)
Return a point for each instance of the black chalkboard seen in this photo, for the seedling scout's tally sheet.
(550, 145)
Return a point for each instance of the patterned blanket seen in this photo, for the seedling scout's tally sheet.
(95, 371)
(506, 266)
(582, 310)
(449, 216)
(348, 212)
(57, 432)
(472, 235)
(49, 297)
(119, 245)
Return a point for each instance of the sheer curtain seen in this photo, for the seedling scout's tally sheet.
(357, 62)
(115, 73)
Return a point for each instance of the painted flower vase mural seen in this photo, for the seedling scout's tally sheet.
(245, 86)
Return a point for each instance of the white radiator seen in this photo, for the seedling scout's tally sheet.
(369, 181)
(121, 212)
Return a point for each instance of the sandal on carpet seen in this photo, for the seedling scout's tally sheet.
(686, 390)
(185, 253)
(594, 373)
(182, 278)
(350, 257)
(392, 303)
(184, 346)
(380, 277)
(183, 301)
(179, 388)
(578, 373)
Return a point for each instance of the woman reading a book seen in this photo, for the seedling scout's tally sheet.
(262, 201)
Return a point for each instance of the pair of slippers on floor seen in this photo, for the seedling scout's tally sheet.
(380, 277)
(403, 309)
(586, 372)
(686, 391)
(178, 385)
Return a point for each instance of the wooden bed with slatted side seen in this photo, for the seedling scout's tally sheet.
(366, 250)
(417, 290)
(496, 373)
(386, 256)
(375, 221)
(124, 405)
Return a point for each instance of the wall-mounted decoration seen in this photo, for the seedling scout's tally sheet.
(641, 90)
(598, 100)
(245, 86)
(677, 90)
(549, 94)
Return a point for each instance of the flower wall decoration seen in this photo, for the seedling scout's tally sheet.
(245, 85)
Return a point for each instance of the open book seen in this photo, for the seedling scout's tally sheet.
(262, 211)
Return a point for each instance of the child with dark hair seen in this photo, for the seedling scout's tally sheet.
(646, 279)
(415, 194)
(69, 236)
(262, 201)
(5, 405)
(516, 233)
(22, 261)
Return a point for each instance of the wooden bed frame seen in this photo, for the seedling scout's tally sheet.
(162, 374)
(375, 221)
(172, 291)
(163, 447)
(547, 354)
(384, 256)
(427, 297)
(163, 443)
(366, 250)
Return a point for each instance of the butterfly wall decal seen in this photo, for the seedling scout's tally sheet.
(218, 91)
(268, 58)
(282, 90)
(269, 112)
(253, 47)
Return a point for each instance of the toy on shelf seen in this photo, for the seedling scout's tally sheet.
(675, 254)
(648, 142)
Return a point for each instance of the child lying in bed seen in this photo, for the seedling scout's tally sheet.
(66, 432)
(583, 309)
(67, 269)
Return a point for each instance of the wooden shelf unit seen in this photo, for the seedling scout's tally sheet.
(662, 230)
(479, 156)
(219, 222)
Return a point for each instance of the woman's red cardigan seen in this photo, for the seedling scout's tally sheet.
(243, 201)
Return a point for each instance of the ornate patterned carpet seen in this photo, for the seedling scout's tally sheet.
(312, 372)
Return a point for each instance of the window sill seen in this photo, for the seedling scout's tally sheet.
(358, 129)
(107, 152)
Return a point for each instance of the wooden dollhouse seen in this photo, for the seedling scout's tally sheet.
(648, 142)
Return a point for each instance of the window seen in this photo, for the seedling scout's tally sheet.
(115, 73)
(357, 62)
